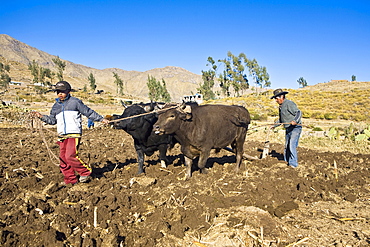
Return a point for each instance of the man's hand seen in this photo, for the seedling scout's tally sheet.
(35, 114)
(105, 121)
(293, 123)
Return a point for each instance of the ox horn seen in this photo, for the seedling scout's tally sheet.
(185, 108)
(152, 105)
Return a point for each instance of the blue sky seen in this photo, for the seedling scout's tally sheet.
(317, 40)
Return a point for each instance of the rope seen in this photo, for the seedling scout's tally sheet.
(36, 122)
(143, 114)
(276, 124)
(40, 128)
(121, 119)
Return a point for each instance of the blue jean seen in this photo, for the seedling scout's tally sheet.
(292, 135)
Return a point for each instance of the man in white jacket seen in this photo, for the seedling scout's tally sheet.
(66, 114)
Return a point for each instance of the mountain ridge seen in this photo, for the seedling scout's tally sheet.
(179, 81)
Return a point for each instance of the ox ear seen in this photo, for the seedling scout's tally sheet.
(185, 116)
(123, 104)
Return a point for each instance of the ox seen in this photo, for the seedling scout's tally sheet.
(201, 128)
(141, 129)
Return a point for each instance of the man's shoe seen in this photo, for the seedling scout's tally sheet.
(63, 184)
(84, 179)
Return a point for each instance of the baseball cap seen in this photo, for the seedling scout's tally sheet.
(63, 86)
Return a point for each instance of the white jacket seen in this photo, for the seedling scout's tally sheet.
(67, 115)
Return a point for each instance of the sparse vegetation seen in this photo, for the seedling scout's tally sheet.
(206, 88)
(61, 65)
(157, 90)
(92, 82)
(4, 75)
(233, 80)
(302, 82)
(323, 105)
(119, 82)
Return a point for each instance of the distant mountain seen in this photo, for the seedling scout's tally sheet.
(18, 55)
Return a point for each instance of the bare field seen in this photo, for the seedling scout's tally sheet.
(324, 202)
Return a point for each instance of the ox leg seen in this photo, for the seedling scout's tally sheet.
(239, 156)
(162, 155)
(140, 159)
(189, 164)
(239, 149)
(203, 161)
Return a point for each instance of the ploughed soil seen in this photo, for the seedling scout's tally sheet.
(323, 202)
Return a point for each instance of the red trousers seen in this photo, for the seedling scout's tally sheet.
(70, 163)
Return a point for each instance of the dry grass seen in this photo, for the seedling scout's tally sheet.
(324, 106)
(316, 140)
(329, 101)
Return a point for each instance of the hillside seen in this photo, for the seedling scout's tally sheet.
(337, 99)
(18, 55)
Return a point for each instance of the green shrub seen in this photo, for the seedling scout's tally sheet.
(359, 117)
(260, 117)
(344, 116)
(317, 115)
(330, 116)
(306, 114)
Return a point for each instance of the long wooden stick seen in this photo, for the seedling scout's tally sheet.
(245, 156)
(95, 217)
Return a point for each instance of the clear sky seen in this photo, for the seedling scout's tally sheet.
(319, 40)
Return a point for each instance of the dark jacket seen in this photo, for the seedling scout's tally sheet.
(288, 111)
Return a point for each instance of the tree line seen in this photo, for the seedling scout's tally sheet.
(232, 75)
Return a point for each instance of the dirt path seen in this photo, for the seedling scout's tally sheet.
(265, 204)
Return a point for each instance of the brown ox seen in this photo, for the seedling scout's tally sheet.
(204, 128)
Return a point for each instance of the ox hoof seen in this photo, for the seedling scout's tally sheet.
(204, 171)
(163, 164)
(140, 172)
(187, 176)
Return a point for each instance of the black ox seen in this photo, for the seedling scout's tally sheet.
(141, 129)
(201, 128)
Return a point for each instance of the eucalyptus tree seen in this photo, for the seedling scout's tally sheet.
(92, 81)
(258, 74)
(157, 90)
(119, 82)
(34, 68)
(61, 65)
(4, 75)
(302, 82)
(38, 72)
(206, 88)
(233, 74)
(49, 74)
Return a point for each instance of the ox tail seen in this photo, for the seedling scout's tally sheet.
(240, 122)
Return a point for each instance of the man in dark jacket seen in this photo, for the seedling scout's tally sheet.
(290, 117)
(66, 114)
